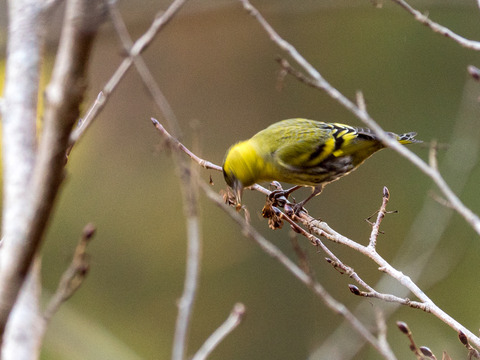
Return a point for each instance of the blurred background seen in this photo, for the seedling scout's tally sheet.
(217, 68)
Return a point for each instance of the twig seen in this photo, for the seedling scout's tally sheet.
(188, 178)
(418, 351)
(233, 320)
(472, 353)
(361, 101)
(442, 30)
(162, 19)
(177, 144)
(185, 304)
(142, 68)
(73, 277)
(474, 71)
(382, 328)
(389, 298)
(319, 82)
(428, 305)
(432, 155)
(403, 327)
(334, 260)
(381, 214)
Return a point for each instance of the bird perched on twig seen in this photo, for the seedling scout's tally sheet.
(301, 152)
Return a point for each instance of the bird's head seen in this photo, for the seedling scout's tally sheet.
(242, 167)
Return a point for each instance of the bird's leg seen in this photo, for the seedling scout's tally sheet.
(299, 207)
(276, 195)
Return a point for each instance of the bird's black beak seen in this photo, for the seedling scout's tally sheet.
(238, 191)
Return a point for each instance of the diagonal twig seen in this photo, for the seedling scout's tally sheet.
(162, 19)
(234, 319)
(436, 27)
(142, 68)
(73, 277)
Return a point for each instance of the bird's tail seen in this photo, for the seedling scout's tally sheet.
(408, 138)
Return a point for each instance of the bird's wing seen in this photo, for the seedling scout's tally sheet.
(308, 145)
(302, 147)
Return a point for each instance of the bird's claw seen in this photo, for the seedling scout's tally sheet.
(295, 210)
(278, 198)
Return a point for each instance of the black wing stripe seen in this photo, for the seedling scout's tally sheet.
(317, 152)
(339, 134)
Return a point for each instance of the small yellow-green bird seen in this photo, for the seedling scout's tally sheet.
(301, 152)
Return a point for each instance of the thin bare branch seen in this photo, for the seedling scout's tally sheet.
(322, 229)
(403, 327)
(234, 319)
(361, 101)
(73, 277)
(474, 72)
(472, 353)
(381, 214)
(432, 155)
(442, 30)
(389, 298)
(177, 144)
(382, 328)
(189, 185)
(185, 304)
(142, 68)
(161, 19)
